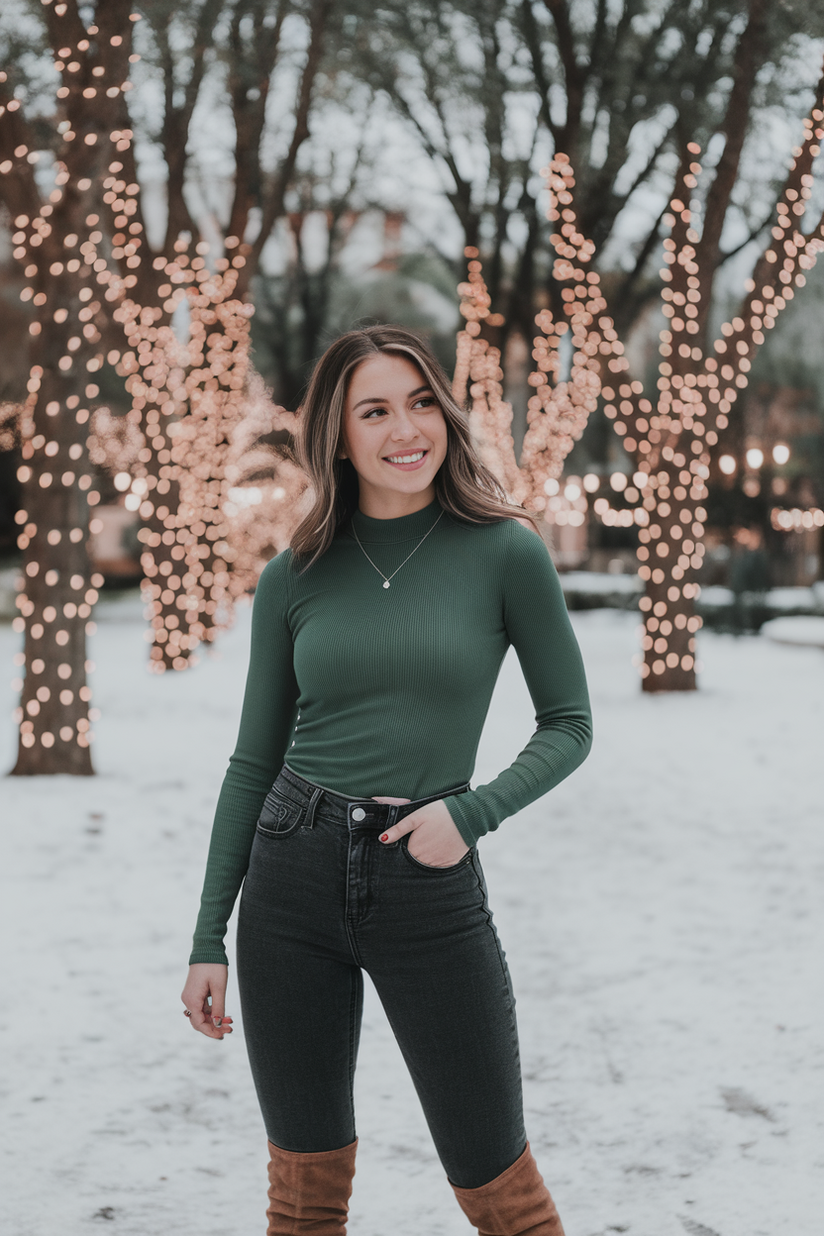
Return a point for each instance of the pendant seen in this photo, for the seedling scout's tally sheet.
(386, 583)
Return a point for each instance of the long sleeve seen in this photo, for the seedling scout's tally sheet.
(539, 629)
(267, 721)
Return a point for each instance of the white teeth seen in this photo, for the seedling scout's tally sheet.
(402, 459)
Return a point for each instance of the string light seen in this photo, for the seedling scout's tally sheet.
(189, 451)
(671, 435)
(52, 241)
(185, 443)
(266, 493)
(796, 520)
(186, 398)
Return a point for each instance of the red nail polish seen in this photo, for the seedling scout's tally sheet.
(384, 836)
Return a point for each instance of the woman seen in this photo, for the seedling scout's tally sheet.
(376, 642)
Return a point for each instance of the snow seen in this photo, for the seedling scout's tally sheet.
(601, 582)
(620, 591)
(661, 912)
(797, 629)
(716, 594)
(792, 598)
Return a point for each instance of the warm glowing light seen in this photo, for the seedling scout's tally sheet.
(188, 457)
(248, 495)
(55, 603)
(558, 410)
(670, 435)
(796, 520)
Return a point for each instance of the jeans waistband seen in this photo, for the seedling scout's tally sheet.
(350, 812)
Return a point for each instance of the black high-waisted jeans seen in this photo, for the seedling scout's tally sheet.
(325, 899)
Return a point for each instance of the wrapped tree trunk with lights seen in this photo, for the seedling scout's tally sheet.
(673, 437)
(54, 240)
(186, 395)
(676, 442)
(559, 409)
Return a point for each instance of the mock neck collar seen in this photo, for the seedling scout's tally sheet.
(404, 528)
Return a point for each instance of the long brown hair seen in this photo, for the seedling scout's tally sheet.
(464, 487)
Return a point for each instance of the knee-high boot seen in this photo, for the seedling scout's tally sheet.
(309, 1193)
(516, 1203)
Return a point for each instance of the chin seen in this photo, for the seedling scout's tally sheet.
(411, 484)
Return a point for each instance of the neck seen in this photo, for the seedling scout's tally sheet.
(389, 504)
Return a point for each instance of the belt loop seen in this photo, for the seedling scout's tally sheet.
(309, 820)
(393, 815)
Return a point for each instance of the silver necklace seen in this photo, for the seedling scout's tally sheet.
(387, 578)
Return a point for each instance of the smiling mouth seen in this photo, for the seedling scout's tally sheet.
(412, 458)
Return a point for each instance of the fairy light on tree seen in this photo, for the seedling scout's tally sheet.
(55, 234)
(113, 445)
(187, 401)
(559, 408)
(187, 397)
(265, 492)
(478, 375)
(673, 436)
(676, 441)
(200, 410)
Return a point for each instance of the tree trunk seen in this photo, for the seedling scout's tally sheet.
(669, 556)
(56, 244)
(58, 594)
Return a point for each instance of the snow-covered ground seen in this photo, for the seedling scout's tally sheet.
(661, 910)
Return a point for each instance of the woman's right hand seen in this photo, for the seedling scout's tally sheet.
(205, 996)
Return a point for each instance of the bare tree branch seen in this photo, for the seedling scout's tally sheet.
(748, 58)
(273, 205)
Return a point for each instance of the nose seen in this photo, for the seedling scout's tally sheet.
(403, 429)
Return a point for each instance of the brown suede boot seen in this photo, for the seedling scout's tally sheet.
(309, 1192)
(516, 1203)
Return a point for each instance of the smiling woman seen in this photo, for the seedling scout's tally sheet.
(461, 484)
(396, 441)
(346, 812)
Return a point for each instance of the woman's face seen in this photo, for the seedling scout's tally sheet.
(394, 432)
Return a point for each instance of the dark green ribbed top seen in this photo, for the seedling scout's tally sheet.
(375, 691)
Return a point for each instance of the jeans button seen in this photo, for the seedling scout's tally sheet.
(358, 814)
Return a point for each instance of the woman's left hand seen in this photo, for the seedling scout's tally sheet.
(437, 842)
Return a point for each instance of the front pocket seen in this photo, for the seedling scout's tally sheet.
(279, 816)
(416, 862)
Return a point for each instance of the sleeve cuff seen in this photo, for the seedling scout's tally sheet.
(214, 956)
(467, 816)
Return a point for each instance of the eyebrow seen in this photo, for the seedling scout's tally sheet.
(417, 391)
